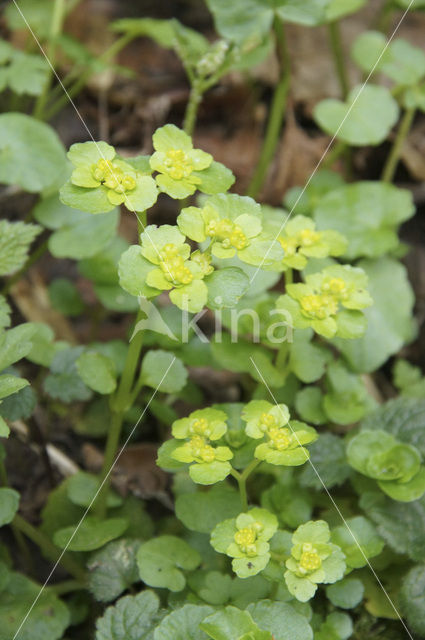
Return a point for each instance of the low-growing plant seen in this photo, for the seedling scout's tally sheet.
(294, 512)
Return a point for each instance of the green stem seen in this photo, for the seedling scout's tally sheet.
(277, 113)
(192, 107)
(80, 83)
(241, 479)
(48, 548)
(56, 25)
(30, 261)
(68, 586)
(338, 56)
(395, 153)
(120, 401)
(289, 276)
(20, 540)
(242, 488)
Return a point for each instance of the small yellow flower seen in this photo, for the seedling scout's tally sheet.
(310, 561)
(173, 266)
(228, 233)
(280, 439)
(247, 537)
(178, 163)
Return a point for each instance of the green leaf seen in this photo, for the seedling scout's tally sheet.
(160, 562)
(307, 360)
(82, 488)
(37, 15)
(404, 418)
(31, 154)
(9, 503)
(328, 457)
(113, 569)
(183, 624)
(4, 429)
(368, 214)
(4, 313)
(76, 234)
(401, 524)
(203, 510)
(236, 356)
(226, 287)
(281, 619)
(398, 59)
(59, 511)
(163, 371)
(358, 540)
(132, 618)
(365, 119)
(215, 179)
(309, 405)
(347, 399)
(65, 297)
(15, 239)
(233, 623)
(133, 269)
(240, 19)
(91, 534)
(389, 326)
(97, 371)
(412, 599)
(346, 593)
(64, 383)
(89, 200)
(15, 344)
(11, 384)
(337, 626)
(47, 619)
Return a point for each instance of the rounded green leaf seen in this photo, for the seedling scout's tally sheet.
(113, 569)
(412, 598)
(183, 624)
(160, 562)
(163, 371)
(366, 118)
(203, 510)
(91, 534)
(89, 200)
(31, 154)
(368, 214)
(46, 617)
(358, 540)
(97, 371)
(132, 618)
(389, 325)
(281, 619)
(9, 503)
(226, 287)
(82, 488)
(233, 623)
(346, 594)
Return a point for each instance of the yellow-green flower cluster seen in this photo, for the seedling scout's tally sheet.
(199, 431)
(101, 180)
(329, 302)
(283, 441)
(301, 240)
(314, 559)
(245, 539)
